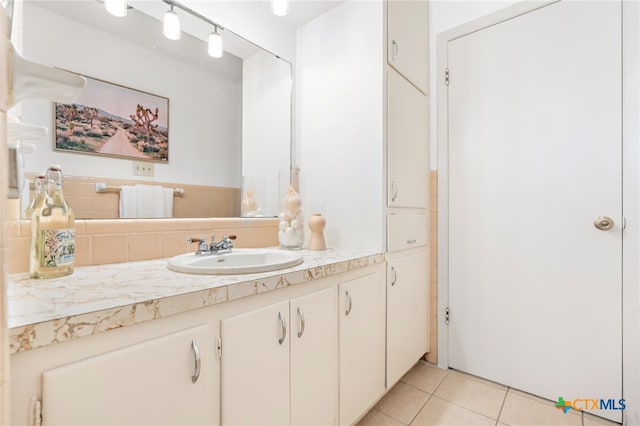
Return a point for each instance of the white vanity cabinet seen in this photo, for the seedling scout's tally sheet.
(312, 353)
(314, 358)
(407, 312)
(255, 367)
(164, 380)
(408, 143)
(408, 40)
(362, 345)
(279, 363)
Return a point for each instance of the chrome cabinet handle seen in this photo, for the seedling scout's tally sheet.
(394, 51)
(349, 304)
(394, 190)
(603, 223)
(301, 317)
(395, 276)
(411, 241)
(283, 329)
(196, 357)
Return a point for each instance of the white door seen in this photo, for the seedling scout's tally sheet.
(314, 358)
(255, 367)
(534, 158)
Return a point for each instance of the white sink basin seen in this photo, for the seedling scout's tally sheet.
(239, 261)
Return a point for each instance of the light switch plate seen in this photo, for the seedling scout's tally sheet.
(142, 168)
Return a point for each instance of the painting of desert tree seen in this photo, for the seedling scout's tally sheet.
(108, 119)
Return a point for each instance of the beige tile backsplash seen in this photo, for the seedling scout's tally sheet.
(101, 241)
(197, 201)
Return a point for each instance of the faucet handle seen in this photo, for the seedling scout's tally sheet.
(231, 237)
(195, 240)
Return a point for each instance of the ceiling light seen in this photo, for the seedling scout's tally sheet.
(171, 25)
(215, 44)
(116, 7)
(280, 7)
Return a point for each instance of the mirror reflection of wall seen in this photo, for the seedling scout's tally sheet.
(229, 117)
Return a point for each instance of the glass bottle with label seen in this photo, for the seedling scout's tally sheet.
(38, 193)
(52, 231)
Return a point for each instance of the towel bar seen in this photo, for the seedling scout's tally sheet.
(103, 187)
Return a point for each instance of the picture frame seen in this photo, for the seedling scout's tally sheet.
(112, 120)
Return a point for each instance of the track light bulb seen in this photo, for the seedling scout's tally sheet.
(116, 7)
(171, 25)
(280, 7)
(215, 44)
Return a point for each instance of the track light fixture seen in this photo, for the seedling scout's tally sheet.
(215, 44)
(116, 7)
(171, 25)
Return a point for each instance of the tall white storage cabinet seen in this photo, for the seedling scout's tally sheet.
(408, 186)
(364, 134)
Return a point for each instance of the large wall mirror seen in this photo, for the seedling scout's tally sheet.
(229, 118)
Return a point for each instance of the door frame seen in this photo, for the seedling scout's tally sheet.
(630, 188)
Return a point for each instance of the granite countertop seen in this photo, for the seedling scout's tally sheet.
(99, 298)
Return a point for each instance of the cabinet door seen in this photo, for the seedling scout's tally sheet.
(149, 383)
(407, 143)
(408, 40)
(255, 367)
(362, 345)
(407, 313)
(314, 358)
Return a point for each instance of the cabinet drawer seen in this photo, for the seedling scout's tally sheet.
(406, 231)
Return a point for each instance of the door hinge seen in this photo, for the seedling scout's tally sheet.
(446, 316)
(35, 412)
(218, 348)
(446, 76)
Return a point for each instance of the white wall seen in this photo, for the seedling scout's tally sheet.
(340, 122)
(444, 15)
(205, 122)
(266, 149)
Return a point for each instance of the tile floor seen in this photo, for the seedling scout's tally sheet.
(427, 395)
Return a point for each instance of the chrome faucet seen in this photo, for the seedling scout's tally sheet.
(223, 246)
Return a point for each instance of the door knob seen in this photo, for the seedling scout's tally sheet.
(603, 223)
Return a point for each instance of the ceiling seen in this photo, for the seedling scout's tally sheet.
(303, 11)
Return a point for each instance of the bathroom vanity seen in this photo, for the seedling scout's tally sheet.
(136, 343)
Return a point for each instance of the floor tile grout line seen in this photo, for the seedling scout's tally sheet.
(504, 400)
(389, 415)
(420, 409)
(463, 407)
(467, 408)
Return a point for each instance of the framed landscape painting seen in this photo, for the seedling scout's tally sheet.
(113, 120)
